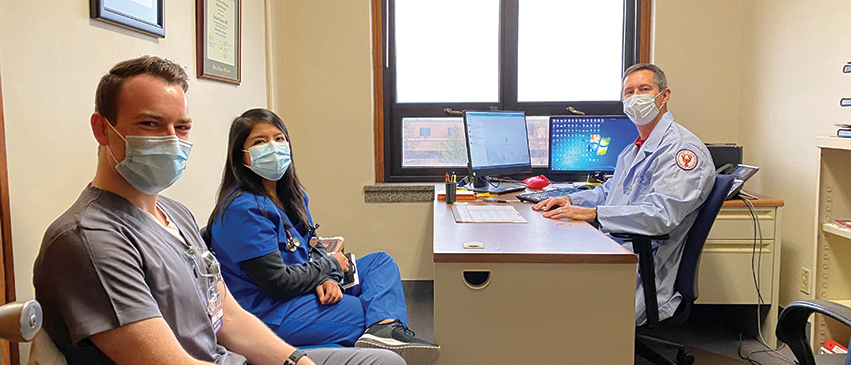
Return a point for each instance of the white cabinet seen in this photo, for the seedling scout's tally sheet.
(732, 255)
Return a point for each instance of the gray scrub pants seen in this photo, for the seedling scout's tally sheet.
(353, 356)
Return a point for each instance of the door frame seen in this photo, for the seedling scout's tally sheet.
(10, 353)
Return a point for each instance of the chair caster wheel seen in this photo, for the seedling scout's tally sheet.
(684, 359)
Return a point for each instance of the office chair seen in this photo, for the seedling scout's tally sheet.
(791, 329)
(686, 283)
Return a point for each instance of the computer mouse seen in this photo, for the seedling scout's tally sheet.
(537, 182)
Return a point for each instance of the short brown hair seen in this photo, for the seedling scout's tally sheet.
(658, 75)
(109, 88)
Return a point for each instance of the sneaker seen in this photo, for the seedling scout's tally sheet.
(398, 338)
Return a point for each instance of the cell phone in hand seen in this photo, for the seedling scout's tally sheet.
(333, 244)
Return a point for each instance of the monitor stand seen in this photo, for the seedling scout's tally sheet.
(480, 185)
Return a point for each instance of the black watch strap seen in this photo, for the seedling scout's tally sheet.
(295, 357)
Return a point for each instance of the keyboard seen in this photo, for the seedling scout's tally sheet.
(537, 196)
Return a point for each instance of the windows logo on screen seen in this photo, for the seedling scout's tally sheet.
(599, 144)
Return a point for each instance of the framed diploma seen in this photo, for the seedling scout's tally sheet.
(218, 39)
(144, 16)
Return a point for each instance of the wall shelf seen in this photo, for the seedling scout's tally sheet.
(837, 143)
(836, 230)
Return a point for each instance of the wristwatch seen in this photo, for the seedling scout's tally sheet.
(295, 357)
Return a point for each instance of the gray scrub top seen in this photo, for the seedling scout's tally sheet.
(104, 264)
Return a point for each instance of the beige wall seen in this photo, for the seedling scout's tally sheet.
(52, 56)
(793, 53)
(324, 83)
(698, 44)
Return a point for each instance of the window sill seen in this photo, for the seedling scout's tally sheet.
(398, 193)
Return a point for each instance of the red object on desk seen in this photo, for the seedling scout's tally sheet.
(537, 182)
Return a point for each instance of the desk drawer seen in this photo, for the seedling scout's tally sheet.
(535, 313)
(726, 276)
(736, 223)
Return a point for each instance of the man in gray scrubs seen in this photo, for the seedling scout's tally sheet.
(123, 275)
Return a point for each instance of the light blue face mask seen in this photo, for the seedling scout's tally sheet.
(151, 164)
(270, 160)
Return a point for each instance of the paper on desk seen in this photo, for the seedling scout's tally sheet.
(486, 214)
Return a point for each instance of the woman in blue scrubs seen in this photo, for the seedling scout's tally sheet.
(263, 235)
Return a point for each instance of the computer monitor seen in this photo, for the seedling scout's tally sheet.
(497, 144)
(585, 144)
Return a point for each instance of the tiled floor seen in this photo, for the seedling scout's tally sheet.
(711, 335)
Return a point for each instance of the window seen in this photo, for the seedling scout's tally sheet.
(544, 57)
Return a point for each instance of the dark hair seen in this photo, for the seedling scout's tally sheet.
(109, 88)
(238, 179)
(658, 75)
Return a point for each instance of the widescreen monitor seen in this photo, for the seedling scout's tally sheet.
(588, 143)
(497, 144)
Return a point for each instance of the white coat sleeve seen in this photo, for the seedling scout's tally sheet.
(593, 197)
(668, 194)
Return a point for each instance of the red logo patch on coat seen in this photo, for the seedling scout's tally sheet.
(686, 160)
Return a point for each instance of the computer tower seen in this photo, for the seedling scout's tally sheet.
(725, 153)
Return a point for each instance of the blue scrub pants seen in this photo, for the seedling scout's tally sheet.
(378, 297)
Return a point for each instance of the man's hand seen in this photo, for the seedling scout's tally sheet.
(329, 292)
(572, 212)
(562, 207)
(546, 205)
(344, 263)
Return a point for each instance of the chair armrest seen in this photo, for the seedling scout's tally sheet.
(642, 245)
(20, 321)
(633, 237)
(791, 328)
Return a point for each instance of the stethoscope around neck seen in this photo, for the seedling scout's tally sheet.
(293, 243)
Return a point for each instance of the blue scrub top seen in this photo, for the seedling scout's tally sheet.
(250, 227)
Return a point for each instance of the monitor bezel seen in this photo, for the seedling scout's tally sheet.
(502, 170)
(572, 175)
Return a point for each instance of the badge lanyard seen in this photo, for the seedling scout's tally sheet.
(210, 269)
(313, 238)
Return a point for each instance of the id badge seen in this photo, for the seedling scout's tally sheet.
(214, 307)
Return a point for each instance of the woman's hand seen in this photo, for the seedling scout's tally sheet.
(329, 292)
(344, 263)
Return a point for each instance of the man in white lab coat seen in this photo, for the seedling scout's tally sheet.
(659, 184)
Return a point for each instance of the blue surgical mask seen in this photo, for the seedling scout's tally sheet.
(151, 164)
(270, 160)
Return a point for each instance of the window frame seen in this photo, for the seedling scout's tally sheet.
(388, 140)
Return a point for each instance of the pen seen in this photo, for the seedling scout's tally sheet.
(447, 177)
(492, 200)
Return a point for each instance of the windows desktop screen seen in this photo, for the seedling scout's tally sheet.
(589, 143)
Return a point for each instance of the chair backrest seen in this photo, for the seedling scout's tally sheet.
(686, 283)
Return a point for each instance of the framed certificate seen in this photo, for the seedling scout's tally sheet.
(218, 39)
(144, 16)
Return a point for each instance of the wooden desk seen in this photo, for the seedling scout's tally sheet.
(557, 292)
(726, 275)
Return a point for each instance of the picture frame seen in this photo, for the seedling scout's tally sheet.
(219, 40)
(145, 16)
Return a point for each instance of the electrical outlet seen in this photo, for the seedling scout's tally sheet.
(805, 280)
